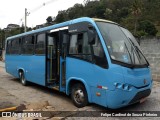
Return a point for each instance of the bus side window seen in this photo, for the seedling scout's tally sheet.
(15, 46)
(73, 41)
(52, 46)
(99, 55)
(28, 45)
(79, 46)
(8, 50)
(40, 44)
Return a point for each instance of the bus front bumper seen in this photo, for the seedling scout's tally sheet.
(119, 98)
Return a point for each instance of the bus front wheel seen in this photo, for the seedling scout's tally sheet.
(22, 78)
(79, 95)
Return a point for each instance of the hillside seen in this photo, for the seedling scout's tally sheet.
(141, 17)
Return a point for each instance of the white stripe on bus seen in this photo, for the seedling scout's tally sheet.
(58, 29)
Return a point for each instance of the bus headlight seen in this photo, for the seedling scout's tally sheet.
(123, 86)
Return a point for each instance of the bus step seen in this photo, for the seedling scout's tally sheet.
(56, 88)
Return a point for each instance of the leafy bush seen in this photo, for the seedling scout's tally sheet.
(147, 28)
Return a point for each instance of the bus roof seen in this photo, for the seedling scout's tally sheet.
(103, 20)
(61, 25)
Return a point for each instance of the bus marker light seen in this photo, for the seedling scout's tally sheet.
(98, 94)
(98, 86)
(102, 87)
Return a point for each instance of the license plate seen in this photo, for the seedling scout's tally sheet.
(142, 100)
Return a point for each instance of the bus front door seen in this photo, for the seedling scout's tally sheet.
(57, 42)
(64, 37)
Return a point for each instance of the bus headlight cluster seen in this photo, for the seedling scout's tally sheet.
(123, 86)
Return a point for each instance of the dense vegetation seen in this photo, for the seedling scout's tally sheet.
(141, 17)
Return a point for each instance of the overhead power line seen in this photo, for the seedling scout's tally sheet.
(42, 5)
(36, 9)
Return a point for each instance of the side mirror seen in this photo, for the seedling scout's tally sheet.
(91, 36)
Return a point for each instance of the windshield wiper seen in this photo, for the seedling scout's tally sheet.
(138, 51)
(131, 66)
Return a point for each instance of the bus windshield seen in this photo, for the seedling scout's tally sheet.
(121, 45)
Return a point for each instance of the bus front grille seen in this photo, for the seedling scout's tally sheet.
(140, 95)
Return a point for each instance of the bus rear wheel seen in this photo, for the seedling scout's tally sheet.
(22, 78)
(79, 95)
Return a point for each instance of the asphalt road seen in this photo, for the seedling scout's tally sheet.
(12, 93)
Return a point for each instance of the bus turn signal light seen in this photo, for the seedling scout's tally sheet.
(98, 93)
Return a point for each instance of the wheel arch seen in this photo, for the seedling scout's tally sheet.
(21, 70)
(73, 81)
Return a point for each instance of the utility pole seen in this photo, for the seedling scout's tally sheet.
(25, 25)
(86, 1)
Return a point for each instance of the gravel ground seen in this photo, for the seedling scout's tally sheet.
(36, 97)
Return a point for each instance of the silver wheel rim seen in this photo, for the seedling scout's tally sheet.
(79, 96)
(22, 78)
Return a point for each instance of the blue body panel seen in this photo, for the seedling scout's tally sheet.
(33, 67)
(88, 73)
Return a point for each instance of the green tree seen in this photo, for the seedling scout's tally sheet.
(129, 13)
(91, 9)
(49, 19)
(76, 11)
(108, 13)
(147, 28)
(61, 17)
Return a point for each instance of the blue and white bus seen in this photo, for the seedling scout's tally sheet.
(92, 60)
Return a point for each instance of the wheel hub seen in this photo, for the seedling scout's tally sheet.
(79, 96)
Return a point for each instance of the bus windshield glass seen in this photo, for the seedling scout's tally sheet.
(121, 45)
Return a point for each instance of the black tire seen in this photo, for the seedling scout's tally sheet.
(22, 78)
(79, 95)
